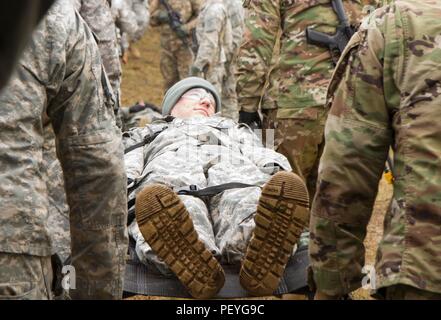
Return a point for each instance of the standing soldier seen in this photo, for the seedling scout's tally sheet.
(176, 42)
(219, 33)
(98, 16)
(386, 91)
(69, 84)
(300, 76)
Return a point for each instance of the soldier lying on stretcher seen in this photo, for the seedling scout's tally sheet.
(205, 191)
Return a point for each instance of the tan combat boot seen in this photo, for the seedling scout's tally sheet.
(167, 227)
(282, 214)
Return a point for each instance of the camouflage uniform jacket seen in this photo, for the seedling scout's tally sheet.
(125, 21)
(303, 71)
(386, 91)
(188, 11)
(215, 36)
(61, 73)
(141, 10)
(199, 151)
(204, 152)
(236, 15)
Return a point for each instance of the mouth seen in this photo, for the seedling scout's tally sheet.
(205, 112)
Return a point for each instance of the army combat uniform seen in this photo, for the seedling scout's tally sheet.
(299, 78)
(125, 22)
(204, 152)
(219, 33)
(97, 15)
(141, 10)
(386, 91)
(176, 58)
(61, 73)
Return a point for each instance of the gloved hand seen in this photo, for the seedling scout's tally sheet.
(252, 119)
(195, 71)
(162, 17)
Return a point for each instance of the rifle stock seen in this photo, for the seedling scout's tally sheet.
(338, 41)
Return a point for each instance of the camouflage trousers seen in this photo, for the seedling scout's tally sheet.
(301, 141)
(25, 277)
(230, 107)
(223, 78)
(224, 225)
(175, 65)
(404, 292)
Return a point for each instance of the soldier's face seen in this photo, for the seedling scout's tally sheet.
(195, 102)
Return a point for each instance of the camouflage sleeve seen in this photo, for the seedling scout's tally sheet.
(251, 147)
(357, 137)
(126, 19)
(98, 16)
(212, 25)
(260, 35)
(90, 150)
(196, 5)
(141, 9)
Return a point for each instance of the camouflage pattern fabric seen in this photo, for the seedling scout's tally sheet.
(293, 83)
(236, 15)
(175, 65)
(403, 292)
(58, 220)
(141, 10)
(303, 70)
(33, 282)
(176, 58)
(69, 83)
(204, 152)
(98, 17)
(126, 23)
(139, 118)
(301, 141)
(219, 33)
(385, 93)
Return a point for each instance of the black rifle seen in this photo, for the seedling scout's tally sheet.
(337, 42)
(174, 19)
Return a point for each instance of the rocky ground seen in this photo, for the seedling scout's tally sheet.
(142, 80)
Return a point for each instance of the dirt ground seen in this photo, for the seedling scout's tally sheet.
(142, 80)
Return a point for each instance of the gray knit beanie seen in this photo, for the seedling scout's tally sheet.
(178, 89)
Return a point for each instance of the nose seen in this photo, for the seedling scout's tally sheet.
(205, 101)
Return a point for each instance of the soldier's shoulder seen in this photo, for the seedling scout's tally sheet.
(215, 9)
(60, 19)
